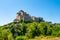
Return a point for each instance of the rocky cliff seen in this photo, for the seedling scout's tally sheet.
(21, 15)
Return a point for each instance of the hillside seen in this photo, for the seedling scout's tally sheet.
(26, 27)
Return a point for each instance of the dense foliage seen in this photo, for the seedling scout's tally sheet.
(26, 30)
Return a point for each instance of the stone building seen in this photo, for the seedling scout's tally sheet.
(21, 15)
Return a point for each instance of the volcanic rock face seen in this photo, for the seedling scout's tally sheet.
(21, 15)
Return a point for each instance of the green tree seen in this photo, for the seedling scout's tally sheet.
(32, 30)
(45, 28)
(56, 30)
(5, 34)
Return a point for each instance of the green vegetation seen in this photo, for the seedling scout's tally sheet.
(27, 30)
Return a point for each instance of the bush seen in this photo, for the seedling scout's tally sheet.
(10, 37)
(56, 30)
(21, 38)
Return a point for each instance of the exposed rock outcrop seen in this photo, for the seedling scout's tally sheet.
(21, 15)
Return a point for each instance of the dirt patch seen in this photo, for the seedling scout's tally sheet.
(46, 38)
(50, 39)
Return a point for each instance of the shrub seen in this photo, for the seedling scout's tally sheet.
(21, 38)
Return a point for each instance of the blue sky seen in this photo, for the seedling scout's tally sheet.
(48, 9)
